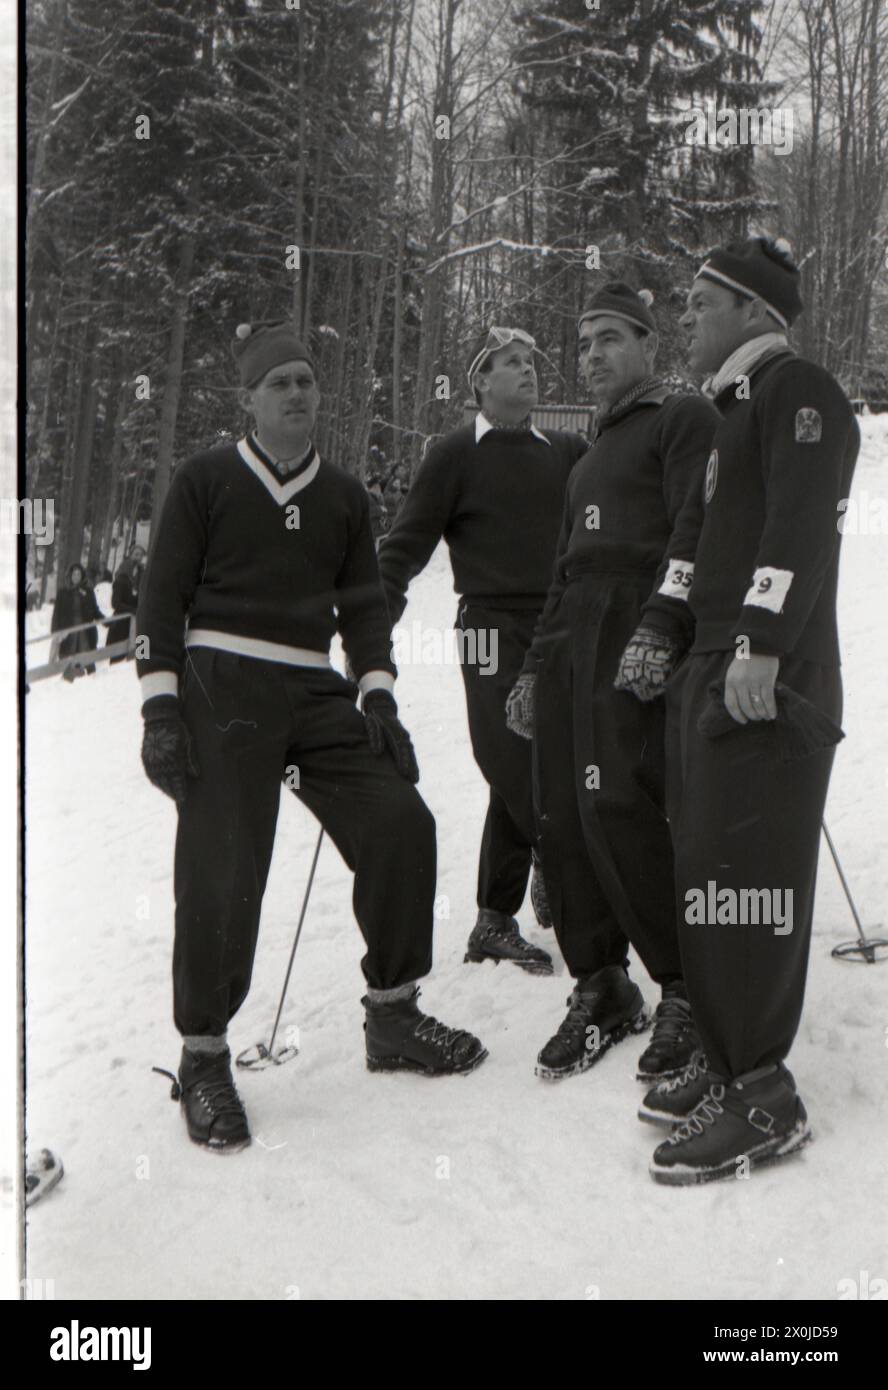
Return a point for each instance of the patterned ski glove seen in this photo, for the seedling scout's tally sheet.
(167, 753)
(647, 663)
(519, 706)
(385, 731)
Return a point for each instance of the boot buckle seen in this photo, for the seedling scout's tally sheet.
(765, 1123)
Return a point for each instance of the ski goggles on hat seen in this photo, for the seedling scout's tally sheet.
(499, 338)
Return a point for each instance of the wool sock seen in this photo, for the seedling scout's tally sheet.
(206, 1044)
(391, 996)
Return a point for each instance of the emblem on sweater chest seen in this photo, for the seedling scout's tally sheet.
(711, 478)
(808, 425)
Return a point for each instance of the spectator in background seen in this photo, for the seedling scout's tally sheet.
(124, 599)
(393, 495)
(76, 605)
(379, 516)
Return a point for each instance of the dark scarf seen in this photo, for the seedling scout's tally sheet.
(628, 399)
(673, 385)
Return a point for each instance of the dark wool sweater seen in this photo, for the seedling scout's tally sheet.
(497, 503)
(633, 507)
(228, 555)
(768, 555)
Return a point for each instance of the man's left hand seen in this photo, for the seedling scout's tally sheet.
(749, 688)
(385, 731)
(647, 663)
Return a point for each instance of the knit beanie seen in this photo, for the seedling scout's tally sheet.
(258, 347)
(619, 300)
(760, 268)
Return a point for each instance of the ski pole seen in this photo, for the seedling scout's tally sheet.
(867, 947)
(314, 865)
(854, 913)
(259, 1056)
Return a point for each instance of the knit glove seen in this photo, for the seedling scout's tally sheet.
(385, 731)
(647, 663)
(167, 752)
(519, 706)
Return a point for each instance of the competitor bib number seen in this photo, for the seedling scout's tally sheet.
(678, 579)
(769, 589)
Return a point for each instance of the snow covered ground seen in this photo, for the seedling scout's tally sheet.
(494, 1186)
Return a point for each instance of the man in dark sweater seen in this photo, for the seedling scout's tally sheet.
(753, 713)
(617, 611)
(266, 550)
(494, 491)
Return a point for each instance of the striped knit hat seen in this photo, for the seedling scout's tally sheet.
(620, 301)
(760, 268)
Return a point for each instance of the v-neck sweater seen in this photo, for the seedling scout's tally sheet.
(241, 551)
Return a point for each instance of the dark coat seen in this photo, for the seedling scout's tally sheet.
(124, 600)
(124, 592)
(73, 607)
(779, 469)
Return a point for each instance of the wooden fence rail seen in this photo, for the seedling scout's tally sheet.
(58, 665)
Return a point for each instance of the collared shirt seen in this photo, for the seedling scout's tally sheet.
(484, 426)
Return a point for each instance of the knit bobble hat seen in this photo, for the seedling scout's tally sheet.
(760, 268)
(258, 347)
(619, 300)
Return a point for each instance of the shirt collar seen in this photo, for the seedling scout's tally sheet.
(483, 426)
(281, 489)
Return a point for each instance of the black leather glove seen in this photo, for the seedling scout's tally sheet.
(520, 705)
(385, 731)
(647, 663)
(167, 753)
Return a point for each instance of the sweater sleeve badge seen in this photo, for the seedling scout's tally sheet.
(711, 479)
(808, 425)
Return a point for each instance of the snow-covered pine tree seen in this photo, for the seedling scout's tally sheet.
(176, 155)
(614, 87)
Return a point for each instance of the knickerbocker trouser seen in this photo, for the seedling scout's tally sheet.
(744, 821)
(600, 786)
(503, 757)
(250, 720)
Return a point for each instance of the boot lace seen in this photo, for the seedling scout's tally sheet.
(216, 1093)
(575, 1023)
(691, 1072)
(671, 1020)
(447, 1040)
(706, 1113)
(511, 936)
(220, 1097)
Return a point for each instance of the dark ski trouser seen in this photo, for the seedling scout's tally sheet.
(503, 758)
(250, 721)
(606, 848)
(743, 820)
